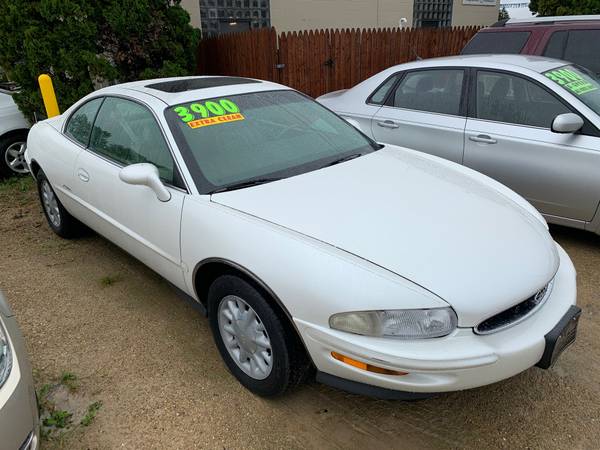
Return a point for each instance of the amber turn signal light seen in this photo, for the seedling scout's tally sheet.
(365, 366)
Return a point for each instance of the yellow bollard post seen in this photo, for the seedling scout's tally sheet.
(48, 95)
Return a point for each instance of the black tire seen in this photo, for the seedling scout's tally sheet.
(289, 361)
(66, 226)
(6, 143)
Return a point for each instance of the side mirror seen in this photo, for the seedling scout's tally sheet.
(145, 174)
(567, 123)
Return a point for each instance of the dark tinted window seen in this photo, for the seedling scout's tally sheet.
(437, 91)
(127, 133)
(497, 42)
(556, 45)
(511, 99)
(582, 49)
(378, 97)
(80, 123)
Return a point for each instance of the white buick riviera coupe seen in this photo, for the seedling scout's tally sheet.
(393, 273)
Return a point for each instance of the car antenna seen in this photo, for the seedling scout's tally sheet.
(417, 57)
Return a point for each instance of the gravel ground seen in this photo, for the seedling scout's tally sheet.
(88, 308)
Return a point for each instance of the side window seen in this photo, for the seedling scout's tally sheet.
(556, 45)
(127, 133)
(437, 91)
(81, 121)
(379, 96)
(582, 49)
(497, 42)
(511, 99)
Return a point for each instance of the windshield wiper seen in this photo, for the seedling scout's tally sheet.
(343, 159)
(245, 184)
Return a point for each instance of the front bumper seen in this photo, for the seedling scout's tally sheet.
(18, 406)
(462, 360)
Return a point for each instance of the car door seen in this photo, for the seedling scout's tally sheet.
(509, 137)
(425, 112)
(126, 132)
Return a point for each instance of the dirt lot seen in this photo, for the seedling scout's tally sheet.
(88, 308)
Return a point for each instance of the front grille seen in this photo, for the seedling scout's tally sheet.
(514, 314)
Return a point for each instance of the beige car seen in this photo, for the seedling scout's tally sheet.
(19, 422)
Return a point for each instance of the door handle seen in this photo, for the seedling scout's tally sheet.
(83, 175)
(483, 138)
(388, 124)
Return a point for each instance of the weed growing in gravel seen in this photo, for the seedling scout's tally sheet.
(69, 379)
(58, 419)
(91, 413)
(109, 280)
(16, 184)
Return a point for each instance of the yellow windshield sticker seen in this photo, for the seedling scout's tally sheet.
(571, 81)
(199, 123)
(201, 113)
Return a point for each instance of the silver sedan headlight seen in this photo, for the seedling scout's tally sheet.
(5, 356)
(399, 323)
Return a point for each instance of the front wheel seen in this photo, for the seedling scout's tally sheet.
(260, 350)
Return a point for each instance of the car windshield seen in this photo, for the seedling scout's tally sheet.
(240, 140)
(580, 82)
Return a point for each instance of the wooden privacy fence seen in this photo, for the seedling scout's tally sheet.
(317, 62)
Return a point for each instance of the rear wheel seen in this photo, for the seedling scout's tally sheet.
(61, 222)
(12, 153)
(260, 349)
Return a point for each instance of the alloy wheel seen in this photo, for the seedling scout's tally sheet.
(14, 157)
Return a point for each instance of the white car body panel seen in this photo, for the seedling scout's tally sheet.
(392, 229)
(11, 118)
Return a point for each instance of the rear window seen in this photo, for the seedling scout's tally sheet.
(497, 42)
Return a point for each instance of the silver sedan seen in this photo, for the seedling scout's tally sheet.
(531, 123)
(18, 406)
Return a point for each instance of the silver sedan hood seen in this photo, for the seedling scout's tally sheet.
(421, 218)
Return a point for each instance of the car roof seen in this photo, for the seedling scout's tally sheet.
(538, 64)
(175, 90)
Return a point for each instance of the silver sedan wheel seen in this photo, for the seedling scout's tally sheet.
(245, 337)
(50, 203)
(14, 157)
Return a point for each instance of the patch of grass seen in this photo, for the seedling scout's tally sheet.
(109, 280)
(91, 413)
(58, 419)
(69, 379)
(17, 184)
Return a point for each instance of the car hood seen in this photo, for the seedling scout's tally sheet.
(420, 217)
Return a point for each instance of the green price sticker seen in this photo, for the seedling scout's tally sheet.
(205, 110)
(571, 81)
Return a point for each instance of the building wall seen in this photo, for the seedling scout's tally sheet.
(296, 15)
(193, 8)
(472, 14)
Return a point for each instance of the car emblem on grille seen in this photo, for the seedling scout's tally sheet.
(539, 296)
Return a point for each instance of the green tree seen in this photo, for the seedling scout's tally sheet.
(80, 43)
(503, 14)
(564, 7)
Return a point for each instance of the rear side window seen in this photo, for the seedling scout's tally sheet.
(555, 47)
(582, 49)
(497, 42)
(81, 121)
(437, 91)
(379, 96)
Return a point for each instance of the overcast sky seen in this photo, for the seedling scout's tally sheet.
(518, 9)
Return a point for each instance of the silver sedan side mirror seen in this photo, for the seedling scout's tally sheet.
(145, 174)
(567, 123)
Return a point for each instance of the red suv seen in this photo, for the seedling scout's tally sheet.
(572, 38)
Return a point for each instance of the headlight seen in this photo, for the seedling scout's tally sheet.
(400, 323)
(5, 356)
